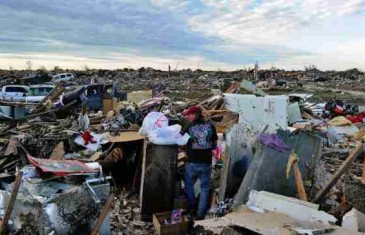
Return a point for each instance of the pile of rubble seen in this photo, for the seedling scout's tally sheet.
(126, 217)
(282, 163)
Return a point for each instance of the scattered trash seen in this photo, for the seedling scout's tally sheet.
(103, 152)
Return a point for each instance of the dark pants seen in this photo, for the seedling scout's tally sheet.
(193, 172)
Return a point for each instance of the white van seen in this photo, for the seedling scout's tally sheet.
(62, 77)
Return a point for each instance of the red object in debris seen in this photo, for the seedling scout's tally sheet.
(339, 110)
(356, 118)
(191, 110)
(60, 167)
(87, 137)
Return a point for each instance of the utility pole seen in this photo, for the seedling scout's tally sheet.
(256, 70)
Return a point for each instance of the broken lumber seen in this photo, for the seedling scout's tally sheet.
(46, 112)
(103, 214)
(54, 94)
(320, 195)
(293, 161)
(299, 182)
(10, 205)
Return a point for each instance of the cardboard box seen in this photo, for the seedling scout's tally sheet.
(176, 229)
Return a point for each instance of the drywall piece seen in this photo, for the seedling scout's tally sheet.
(276, 223)
(255, 113)
(259, 111)
(292, 207)
(294, 114)
(267, 167)
(239, 142)
(272, 223)
(354, 220)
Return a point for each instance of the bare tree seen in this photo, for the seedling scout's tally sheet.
(29, 64)
(43, 68)
(57, 69)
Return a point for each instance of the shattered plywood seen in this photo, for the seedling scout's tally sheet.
(58, 152)
(268, 166)
(272, 223)
(239, 142)
(126, 137)
(278, 223)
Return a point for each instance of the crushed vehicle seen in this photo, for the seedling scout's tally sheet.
(93, 95)
(37, 93)
(62, 77)
(13, 92)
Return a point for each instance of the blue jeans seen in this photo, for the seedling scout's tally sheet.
(193, 172)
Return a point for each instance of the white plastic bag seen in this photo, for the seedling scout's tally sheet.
(155, 127)
(152, 122)
(168, 135)
(183, 139)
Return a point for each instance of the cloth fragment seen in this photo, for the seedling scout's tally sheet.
(273, 141)
(90, 146)
(339, 121)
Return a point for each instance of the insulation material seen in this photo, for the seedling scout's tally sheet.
(294, 114)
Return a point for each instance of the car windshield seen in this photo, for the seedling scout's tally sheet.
(39, 91)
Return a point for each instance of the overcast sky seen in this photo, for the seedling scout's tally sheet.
(205, 34)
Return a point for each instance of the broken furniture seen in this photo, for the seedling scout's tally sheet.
(158, 179)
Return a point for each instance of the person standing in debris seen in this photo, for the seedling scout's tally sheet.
(83, 120)
(203, 139)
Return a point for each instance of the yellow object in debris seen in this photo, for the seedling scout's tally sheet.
(292, 158)
(340, 121)
(360, 135)
(48, 104)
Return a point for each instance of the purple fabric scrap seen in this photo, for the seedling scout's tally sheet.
(273, 141)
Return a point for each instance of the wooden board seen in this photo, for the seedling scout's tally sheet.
(272, 223)
(107, 105)
(126, 137)
(138, 96)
